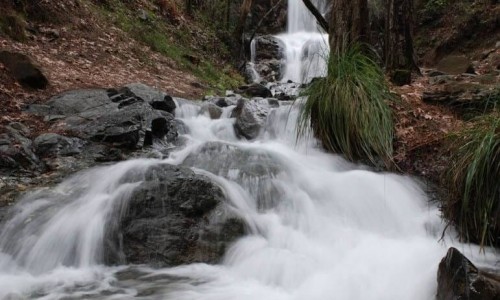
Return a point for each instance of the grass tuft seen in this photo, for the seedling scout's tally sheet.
(348, 110)
(474, 202)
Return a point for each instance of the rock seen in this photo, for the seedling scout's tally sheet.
(463, 96)
(250, 117)
(434, 73)
(214, 111)
(17, 151)
(440, 79)
(52, 144)
(458, 278)
(173, 217)
(268, 58)
(255, 90)
(157, 99)
(118, 117)
(401, 77)
(455, 65)
(167, 104)
(221, 102)
(24, 70)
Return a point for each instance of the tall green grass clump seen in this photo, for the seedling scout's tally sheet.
(474, 179)
(348, 110)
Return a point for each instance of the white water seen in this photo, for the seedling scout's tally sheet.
(321, 228)
(306, 45)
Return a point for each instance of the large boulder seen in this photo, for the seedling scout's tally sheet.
(250, 118)
(174, 217)
(118, 117)
(458, 278)
(24, 70)
(455, 65)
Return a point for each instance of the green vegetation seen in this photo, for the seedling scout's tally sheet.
(473, 204)
(348, 109)
(153, 32)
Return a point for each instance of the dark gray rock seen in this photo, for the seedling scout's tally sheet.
(52, 144)
(17, 151)
(458, 278)
(268, 61)
(250, 117)
(255, 90)
(214, 111)
(118, 117)
(24, 70)
(174, 217)
(167, 104)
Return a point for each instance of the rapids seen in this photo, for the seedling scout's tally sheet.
(320, 228)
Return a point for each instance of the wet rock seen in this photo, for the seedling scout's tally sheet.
(214, 111)
(52, 144)
(455, 65)
(268, 60)
(255, 90)
(157, 99)
(250, 117)
(458, 278)
(174, 217)
(116, 117)
(24, 70)
(167, 104)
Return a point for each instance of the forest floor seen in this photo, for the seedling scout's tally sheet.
(96, 49)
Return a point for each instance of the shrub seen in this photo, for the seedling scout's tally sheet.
(348, 109)
(474, 202)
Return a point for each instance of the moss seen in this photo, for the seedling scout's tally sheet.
(175, 44)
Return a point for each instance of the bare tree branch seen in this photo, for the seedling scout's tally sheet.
(319, 17)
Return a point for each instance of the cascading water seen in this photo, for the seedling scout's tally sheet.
(320, 228)
(306, 47)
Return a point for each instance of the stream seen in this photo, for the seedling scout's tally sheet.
(317, 226)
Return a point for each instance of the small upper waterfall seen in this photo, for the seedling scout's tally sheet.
(306, 45)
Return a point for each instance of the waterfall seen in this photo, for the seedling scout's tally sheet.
(306, 45)
(319, 227)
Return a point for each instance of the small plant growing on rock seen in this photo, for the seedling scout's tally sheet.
(348, 109)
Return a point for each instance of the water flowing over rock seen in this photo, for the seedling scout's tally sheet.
(274, 217)
(266, 63)
(458, 278)
(175, 217)
(250, 116)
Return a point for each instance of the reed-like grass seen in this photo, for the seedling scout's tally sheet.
(474, 179)
(348, 110)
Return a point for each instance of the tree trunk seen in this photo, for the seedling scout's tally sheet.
(348, 23)
(398, 45)
(244, 11)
